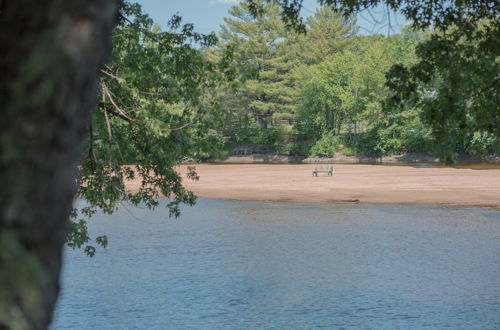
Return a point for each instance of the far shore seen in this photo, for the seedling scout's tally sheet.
(349, 184)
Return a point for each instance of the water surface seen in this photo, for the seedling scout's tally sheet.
(246, 265)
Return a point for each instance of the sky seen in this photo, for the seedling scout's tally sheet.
(208, 15)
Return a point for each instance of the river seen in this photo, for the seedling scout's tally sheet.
(246, 265)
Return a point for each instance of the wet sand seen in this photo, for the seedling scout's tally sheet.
(349, 184)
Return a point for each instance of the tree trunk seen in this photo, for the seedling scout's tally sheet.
(262, 122)
(51, 52)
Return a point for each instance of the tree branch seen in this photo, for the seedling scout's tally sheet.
(182, 127)
(497, 79)
(109, 74)
(120, 113)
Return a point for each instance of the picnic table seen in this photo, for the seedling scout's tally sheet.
(323, 169)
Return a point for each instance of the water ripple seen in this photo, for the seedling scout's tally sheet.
(250, 265)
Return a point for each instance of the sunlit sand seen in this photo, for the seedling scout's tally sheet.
(349, 184)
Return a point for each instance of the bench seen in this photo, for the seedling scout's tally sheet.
(323, 169)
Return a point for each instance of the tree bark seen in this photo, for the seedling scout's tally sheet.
(262, 122)
(51, 52)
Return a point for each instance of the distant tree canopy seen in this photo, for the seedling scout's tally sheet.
(333, 86)
(260, 48)
(455, 81)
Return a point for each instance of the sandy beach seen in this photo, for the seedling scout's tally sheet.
(349, 184)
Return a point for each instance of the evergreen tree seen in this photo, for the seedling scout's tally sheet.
(262, 53)
(327, 33)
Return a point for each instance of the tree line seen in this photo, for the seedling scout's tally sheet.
(331, 90)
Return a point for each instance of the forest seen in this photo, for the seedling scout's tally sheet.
(318, 93)
(332, 90)
(260, 86)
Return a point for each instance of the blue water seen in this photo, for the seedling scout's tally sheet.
(247, 265)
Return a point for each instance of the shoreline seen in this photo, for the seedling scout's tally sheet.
(359, 183)
(431, 204)
(338, 158)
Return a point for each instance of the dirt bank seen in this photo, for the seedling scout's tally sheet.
(349, 183)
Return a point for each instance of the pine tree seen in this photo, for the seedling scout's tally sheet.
(327, 33)
(262, 52)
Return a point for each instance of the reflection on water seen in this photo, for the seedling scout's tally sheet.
(240, 265)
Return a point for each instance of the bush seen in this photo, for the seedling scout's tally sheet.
(297, 148)
(326, 146)
(347, 151)
(481, 145)
(273, 138)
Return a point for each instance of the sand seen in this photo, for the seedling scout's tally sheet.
(349, 184)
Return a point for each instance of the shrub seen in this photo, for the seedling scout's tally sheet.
(326, 146)
(297, 148)
(347, 151)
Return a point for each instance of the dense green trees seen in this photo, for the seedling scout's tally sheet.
(455, 83)
(455, 80)
(329, 95)
(262, 108)
(344, 96)
(261, 50)
(430, 88)
(327, 33)
(329, 88)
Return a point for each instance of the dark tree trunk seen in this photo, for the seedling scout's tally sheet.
(262, 122)
(51, 52)
(356, 131)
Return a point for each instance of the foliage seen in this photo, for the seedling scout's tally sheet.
(347, 151)
(397, 134)
(344, 95)
(455, 83)
(328, 95)
(155, 111)
(438, 14)
(266, 56)
(326, 146)
(297, 148)
(260, 47)
(481, 145)
(455, 80)
(327, 33)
